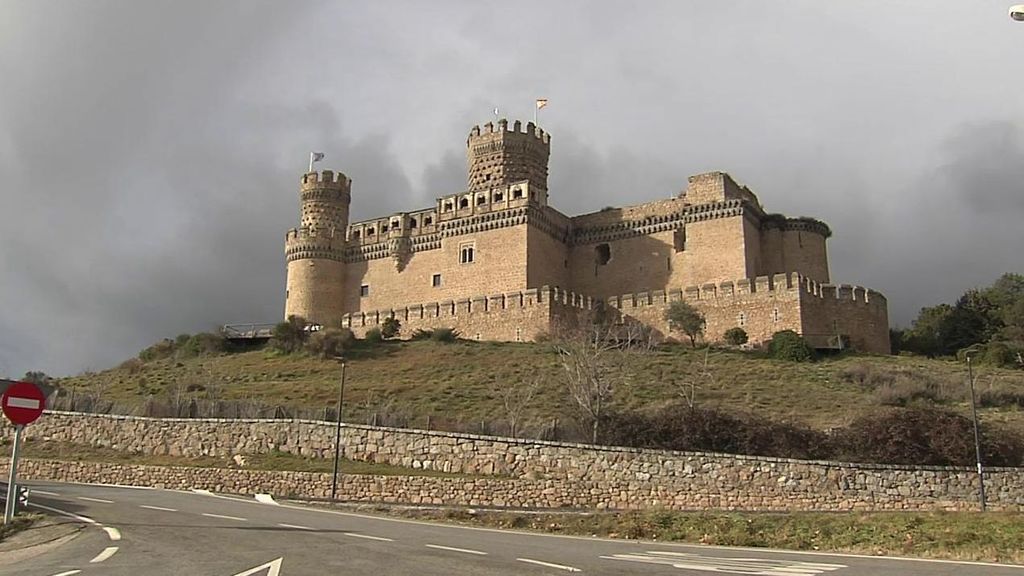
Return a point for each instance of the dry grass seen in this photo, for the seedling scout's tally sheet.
(49, 450)
(460, 383)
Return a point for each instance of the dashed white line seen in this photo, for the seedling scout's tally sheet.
(100, 500)
(68, 573)
(46, 493)
(296, 527)
(113, 533)
(225, 517)
(464, 550)
(160, 508)
(367, 536)
(106, 554)
(549, 565)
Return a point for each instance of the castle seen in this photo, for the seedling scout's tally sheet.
(497, 262)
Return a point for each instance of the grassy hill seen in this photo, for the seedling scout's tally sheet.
(459, 384)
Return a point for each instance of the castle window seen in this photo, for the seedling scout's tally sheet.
(369, 231)
(775, 315)
(447, 208)
(481, 200)
(464, 203)
(436, 281)
(428, 221)
(498, 196)
(679, 240)
(355, 234)
(466, 253)
(517, 193)
(412, 222)
(742, 319)
(395, 224)
(364, 290)
(602, 254)
(383, 228)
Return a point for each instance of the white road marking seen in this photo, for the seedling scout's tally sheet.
(100, 500)
(203, 492)
(157, 508)
(762, 567)
(273, 568)
(549, 565)
(297, 527)
(85, 519)
(106, 554)
(467, 551)
(225, 517)
(113, 533)
(68, 573)
(266, 499)
(45, 493)
(367, 536)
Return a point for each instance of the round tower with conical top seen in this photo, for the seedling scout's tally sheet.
(315, 251)
(499, 155)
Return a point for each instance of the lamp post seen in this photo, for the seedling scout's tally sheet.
(977, 435)
(337, 430)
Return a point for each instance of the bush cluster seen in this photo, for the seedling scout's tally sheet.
(899, 436)
(788, 345)
(447, 335)
(330, 343)
(185, 346)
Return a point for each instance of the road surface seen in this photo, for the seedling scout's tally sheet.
(135, 532)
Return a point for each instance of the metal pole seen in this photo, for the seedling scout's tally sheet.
(337, 433)
(977, 435)
(12, 478)
(310, 162)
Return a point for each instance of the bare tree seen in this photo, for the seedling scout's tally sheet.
(696, 376)
(516, 397)
(591, 350)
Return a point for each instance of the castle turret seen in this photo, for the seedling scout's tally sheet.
(315, 251)
(499, 155)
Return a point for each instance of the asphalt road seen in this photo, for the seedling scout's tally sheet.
(142, 532)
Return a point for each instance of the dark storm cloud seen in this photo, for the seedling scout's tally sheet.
(150, 152)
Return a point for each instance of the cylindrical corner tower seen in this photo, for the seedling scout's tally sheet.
(498, 156)
(315, 251)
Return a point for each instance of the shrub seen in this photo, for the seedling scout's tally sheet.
(682, 316)
(202, 344)
(924, 437)
(444, 335)
(788, 345)
(158, 351)
(391, 327)
(374, 336)
(330, 342)
(289, 336)
(736, 336)
(421, 334)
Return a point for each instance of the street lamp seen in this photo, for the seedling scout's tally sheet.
(337, 429)
(977, 435)
(1017, 12)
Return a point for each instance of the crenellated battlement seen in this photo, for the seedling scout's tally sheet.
(502, 127)
(325, 179)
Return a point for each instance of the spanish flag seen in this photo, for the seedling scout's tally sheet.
(541, 102)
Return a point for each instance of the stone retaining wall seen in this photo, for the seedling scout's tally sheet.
(527, 473)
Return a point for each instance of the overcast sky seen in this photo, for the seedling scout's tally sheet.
(150, 151)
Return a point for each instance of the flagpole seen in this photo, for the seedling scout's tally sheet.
(310, 162)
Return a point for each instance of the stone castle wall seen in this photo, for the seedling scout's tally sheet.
(510, 472)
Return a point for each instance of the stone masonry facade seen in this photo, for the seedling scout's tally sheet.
(497, 262)
(508, 472)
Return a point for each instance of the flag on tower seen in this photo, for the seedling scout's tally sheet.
(314, 157)
(541, 102)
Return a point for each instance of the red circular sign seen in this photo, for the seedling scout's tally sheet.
(23, 402)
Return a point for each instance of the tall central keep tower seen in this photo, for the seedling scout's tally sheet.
(498, 156)
(315, 251)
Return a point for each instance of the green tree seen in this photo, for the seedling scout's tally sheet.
(736, 336)
(683, 317)
(390, 327)
(927, 333)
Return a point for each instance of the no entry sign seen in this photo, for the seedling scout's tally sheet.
(23, 402)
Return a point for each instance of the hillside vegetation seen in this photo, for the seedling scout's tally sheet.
(460, 385)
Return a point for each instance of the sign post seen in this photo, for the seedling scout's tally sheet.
(22, 403)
